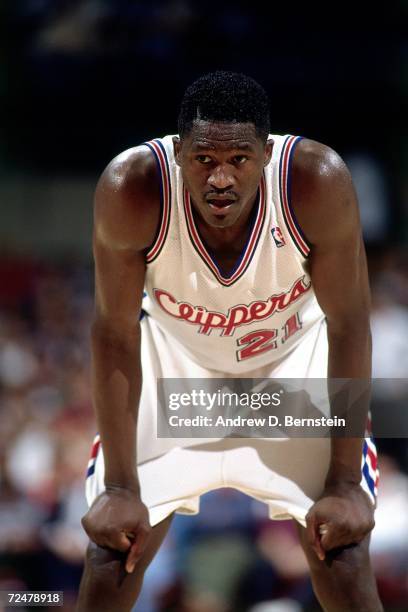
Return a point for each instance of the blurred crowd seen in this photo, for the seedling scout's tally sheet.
(230, 556)
(46, 422)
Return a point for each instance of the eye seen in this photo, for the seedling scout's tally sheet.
(203, 159)
(240, 159)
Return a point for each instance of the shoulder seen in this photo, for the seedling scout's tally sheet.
(316, 167)
(322, 195)
(127, 200)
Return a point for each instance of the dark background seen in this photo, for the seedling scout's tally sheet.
(86, 79)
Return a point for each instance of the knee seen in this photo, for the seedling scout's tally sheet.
(106, 581)
(345, 578)
(103, 563)
(345, 562)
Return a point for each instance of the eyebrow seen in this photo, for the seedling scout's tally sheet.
(242, 146)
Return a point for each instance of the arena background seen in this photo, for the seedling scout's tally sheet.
(81, 81)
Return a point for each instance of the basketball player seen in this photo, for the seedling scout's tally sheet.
(243, 251)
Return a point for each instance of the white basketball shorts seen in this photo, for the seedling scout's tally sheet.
(287, 474)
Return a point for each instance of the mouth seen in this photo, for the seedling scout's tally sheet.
(220, 205)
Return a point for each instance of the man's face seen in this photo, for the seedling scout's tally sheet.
(222, 166)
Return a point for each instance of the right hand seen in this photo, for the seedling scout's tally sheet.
(118, 519)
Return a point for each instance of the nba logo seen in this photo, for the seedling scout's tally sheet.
(278, 237)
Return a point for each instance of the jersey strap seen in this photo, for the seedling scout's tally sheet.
(165, 198)
(285, 162)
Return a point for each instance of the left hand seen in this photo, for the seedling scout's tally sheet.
(343, 515)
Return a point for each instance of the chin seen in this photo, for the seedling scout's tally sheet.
(220, 221)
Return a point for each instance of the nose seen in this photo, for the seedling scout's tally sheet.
(220, 178)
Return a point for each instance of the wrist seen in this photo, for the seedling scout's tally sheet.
(128, 485)
(337, 477)
(341, 485)
(121, 475)
(345, 462)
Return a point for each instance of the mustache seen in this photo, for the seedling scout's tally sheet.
(226, 195)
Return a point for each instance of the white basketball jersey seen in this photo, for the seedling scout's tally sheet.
(261, 311)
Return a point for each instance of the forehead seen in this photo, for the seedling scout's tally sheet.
(222, 136)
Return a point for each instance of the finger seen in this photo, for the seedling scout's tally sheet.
(136, 550)
(328, 539)
(116, 540)
(313, 536)
(123, 542)
(318, 547)
(333, 538)
(107, 537)
(323, 535)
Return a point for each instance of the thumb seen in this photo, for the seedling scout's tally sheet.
(122, 542)
(314, 534)
(324, 536)
(136, 549)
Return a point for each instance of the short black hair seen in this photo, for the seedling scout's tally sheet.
(225, 97)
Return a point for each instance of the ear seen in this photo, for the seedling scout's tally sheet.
(268, 151)
(177, 149)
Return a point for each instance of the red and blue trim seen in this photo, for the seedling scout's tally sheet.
(285, 163)
(94, 454)
(249, 249)
(159, 153)
(369, 467)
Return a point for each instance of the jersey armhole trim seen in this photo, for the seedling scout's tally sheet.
(96, 444)
(285, 185)
(165, 199)
(369, 468)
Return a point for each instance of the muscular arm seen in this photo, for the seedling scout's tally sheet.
(326, 207)
(126, 216)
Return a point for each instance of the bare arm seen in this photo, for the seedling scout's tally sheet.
(326, 206)
(125, 221)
